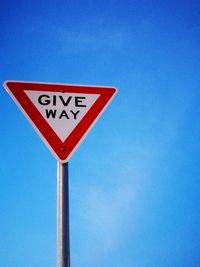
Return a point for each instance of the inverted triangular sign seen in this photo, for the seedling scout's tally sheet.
(62, 114)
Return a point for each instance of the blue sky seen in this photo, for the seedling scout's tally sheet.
(134, 182)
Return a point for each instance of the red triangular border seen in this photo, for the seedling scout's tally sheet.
(62, 150)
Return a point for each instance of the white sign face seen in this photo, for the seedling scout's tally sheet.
(62, 111)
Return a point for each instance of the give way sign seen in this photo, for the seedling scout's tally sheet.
(62, 114)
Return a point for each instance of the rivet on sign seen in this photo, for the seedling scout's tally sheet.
(62, 91)
(62, 149)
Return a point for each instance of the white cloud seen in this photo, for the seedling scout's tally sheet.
(84, 38)
(105, 218)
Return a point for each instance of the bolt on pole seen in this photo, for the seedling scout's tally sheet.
(63, 237)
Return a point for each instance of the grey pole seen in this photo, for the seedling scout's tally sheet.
(63, 239)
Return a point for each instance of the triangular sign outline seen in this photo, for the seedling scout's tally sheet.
(62, 150)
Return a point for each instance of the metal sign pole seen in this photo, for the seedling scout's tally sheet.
(63, 239)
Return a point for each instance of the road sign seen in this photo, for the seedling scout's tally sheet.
(62, 114)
